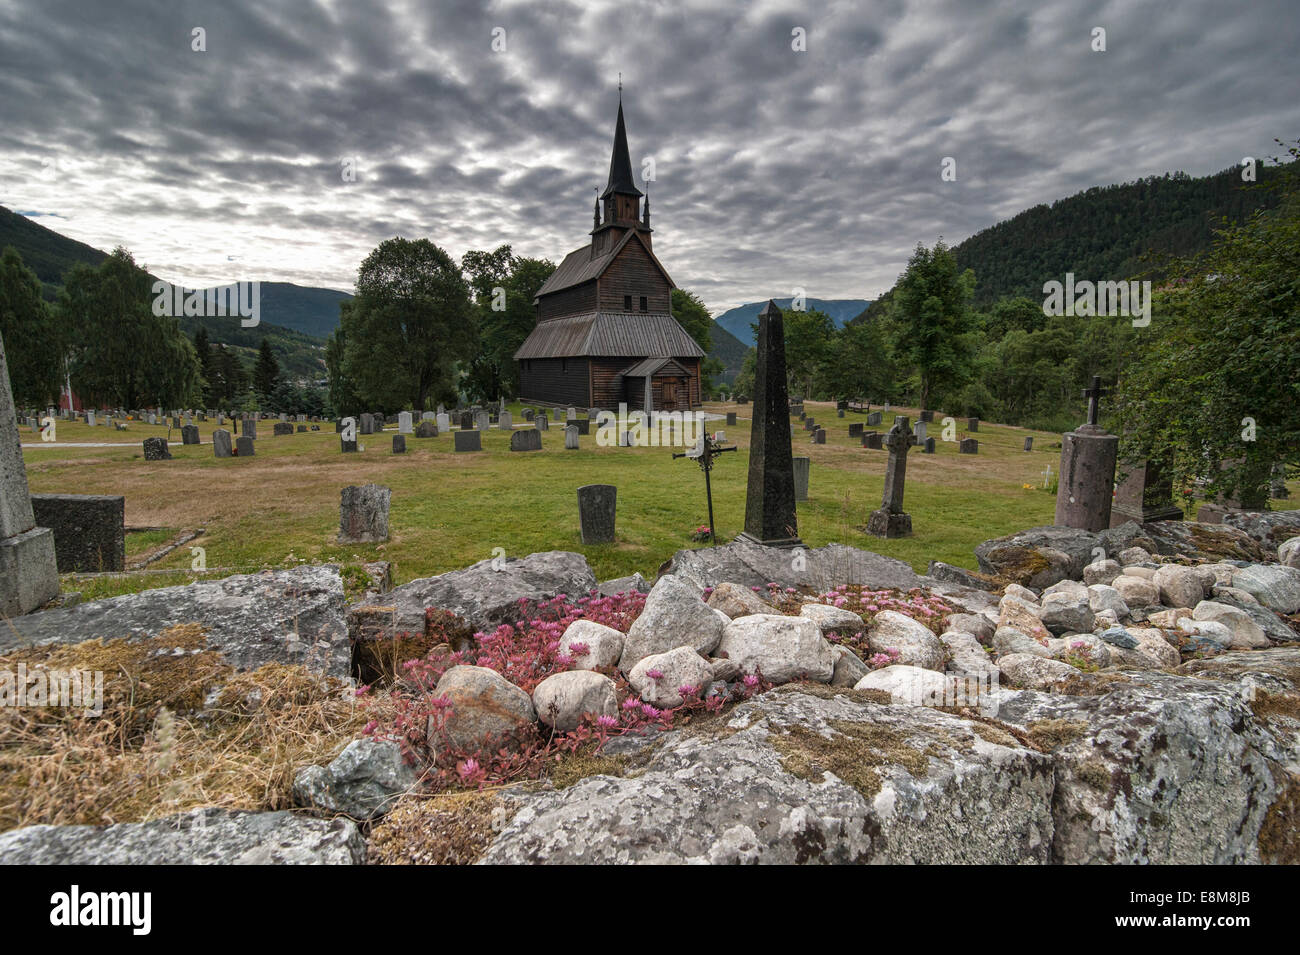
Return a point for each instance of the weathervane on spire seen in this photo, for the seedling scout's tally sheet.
(620, 87)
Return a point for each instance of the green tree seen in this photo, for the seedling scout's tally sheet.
(858, 363)
(932, 308)
(33, 346)
(744, 383)
(698, 323)
(504, 286)
(266, 371)
(410, 322)
(809, 341)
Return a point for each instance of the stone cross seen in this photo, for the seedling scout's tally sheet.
(1094, 395)
(890, 520)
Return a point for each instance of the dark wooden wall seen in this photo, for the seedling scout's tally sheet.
(634, 273)
(557, 381)
(571, 301)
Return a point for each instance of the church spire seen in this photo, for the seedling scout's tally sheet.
(620, 163)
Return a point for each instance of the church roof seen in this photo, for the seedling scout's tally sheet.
(620, 163)
(610, 334)
(651, 367)
(578, 266)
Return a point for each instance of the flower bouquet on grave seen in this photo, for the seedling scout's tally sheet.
(702, 533)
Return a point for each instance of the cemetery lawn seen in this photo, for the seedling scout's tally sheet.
(281, 507)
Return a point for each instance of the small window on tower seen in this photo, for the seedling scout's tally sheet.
(627, 303)
(645, 307)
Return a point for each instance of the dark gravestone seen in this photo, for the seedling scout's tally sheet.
(469, 440)
(802, 414)
(367, 424)
(426, 429)
(972, 424)
(929, 446)
(873, 419)
(467, 421)
(584, 425)
(363, 513)
(244, 446)
(1087, 471)
(596, 511)
(1144, 494)
(927, 416)
(968, 446)
(809, 424)
(819, 436)
(315, 427)
(190, 434)
(338, 426)
(89, 531)
(250, 428)
(802, 469)
(399, 444)
(542, 423)
(155, 449)
(302, 428)
(1029, 443)
(221, 443)
(855, 429)
(872, 440)
(890, 520)
(347, 447)
(731, 418)
(526, 439)
(528, 414)
(770, 516)
(839, 412)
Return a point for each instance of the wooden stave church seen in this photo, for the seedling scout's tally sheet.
(605, 333)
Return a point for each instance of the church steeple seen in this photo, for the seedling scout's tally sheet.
(621, 198)
(620, 163)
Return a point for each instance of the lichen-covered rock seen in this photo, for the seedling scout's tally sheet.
(782, 648)
(1136, 591)
(736, 600)
(849, 668)
(910, 685)
(1101, 572)
(1104, 597)
(1216, 633)
(673, 616)
(660, 677)
(1034, 671)
(603, 645)
(966, 654)
(1067, 611)
(1021, 615)
(1244, 633)
(1009, 640)
(277, 616)
(976, 624)
(1273, 625)
(197, 837)
(1132, 555)
(562, 699)
(1087, 647)
(1154, 644)
(1179, 586)
(916, 643)
(1039, 556)
(486, 710)
(796, 778)
(1288, 552)
(1274, 586)
(833, 619)
(753, 565)
(363, 781)
(1202, 541)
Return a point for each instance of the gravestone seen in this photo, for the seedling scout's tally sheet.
(542, 423)
(809, 424)
(918, 431)
(571, 438)
(363, 513)
(558, 414)
(929, 446)
(244, 446)
(872, 440)
(972, 424)
(968, 446)
(443, 421)
(819, 436)
(346, 446)
(504, 421)
(801, 469)
(283, 427)
(1029, 446)
(528, 414)
(250, 428)
(367, 424)
(1087, 470)
(927, 416)
(873, 419)
(855, 429)
(221, 443)
(890, 520)
(596, 512)
(315, 427)
(90, 418)
(155, 449)
(592, 413)
(153, 418)
(571, 414)
(89, 531)
(802, 414)
(426, 429)
(482, 421)
(770, 516)
(399, 442)
(1144, 494)
(584, 425)
(731, 418)
(526, 439)
(467, 421)
(190, 434)
(839, 412)
(302, 429)
(404, 422)
(469, 440)
(29, 575)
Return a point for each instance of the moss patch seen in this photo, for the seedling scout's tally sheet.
(1095, 774)
(1018, 564)
(1276, 704)
(1222, 544)
(854, 754)
(1051, 734)
(576, 766)
(444, 830)
(824, 691)
(1279, 836)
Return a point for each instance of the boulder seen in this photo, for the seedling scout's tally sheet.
(781, 648)
(948, 574)
(633, 583)
(736, 600)
(1067, 611)
(363, 781)
(1217, 634)
(916, 643)
(849, 668)
(604, 645)
(1133, 555)
(978, 625)
(1101, 572)
(753, 565)
(678, 668)
(1267, 527)
(966, 654)
(1009, 640)
(486, 710)
(1080, 646)
(1179, 586)
(909, 685)
(1120, 637)
(1104, 597)
(1202, 541)
(1274, 586)
(1033, 671)
(1039, 556)
(1021, 615)
(485, 594)
(1136, 592)
(833, 619)
(276, 616)
(1141, 571)
(1154, 644)
(1274, 627)
(673, 616)
(1245, 634)
(197, 837)
(797, 778)
(1288, 552)
(562, 699)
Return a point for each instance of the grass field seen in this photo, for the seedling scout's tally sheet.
(281, 507)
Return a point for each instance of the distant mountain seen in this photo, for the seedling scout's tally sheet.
(729, 350)
(44, 251)
(739, 320)
(313, 311)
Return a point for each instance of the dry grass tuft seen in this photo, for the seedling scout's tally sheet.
(450, 829)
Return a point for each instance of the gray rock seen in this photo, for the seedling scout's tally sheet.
(1136, 591)
(280, 616)
(782, 648)
(197, 837)
(1244, 633)
(1288, 552)
(604, 645)
(363, 781)
(1101, 572)
(1202, 541)
(753, 565)
(978, 625)
(1120, 637)
(737, 600)
(1033, 671)
(849, 668)
(1274, 586)
(1179, 586)
(966, 654)
(562, 699)
(1274, 627)
(916, 643)
(833, 619)
(1008, 641)
(1067, 612)
(487, 709)
(949, 574)
(1267, 527)
(765, 789)
(624, 585)
(1039, 556)
(1133, 555)
(1103, 597)
(673, 616)
(679, 667)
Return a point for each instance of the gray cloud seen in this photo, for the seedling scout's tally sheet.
(774, 169)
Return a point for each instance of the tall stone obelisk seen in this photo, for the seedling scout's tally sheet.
(769, 501)
(1087, 473)
(29, 576)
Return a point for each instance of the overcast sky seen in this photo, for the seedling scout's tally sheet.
(774, 168)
